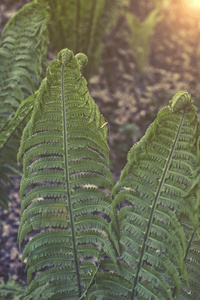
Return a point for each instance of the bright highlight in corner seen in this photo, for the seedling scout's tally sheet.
(192, 7)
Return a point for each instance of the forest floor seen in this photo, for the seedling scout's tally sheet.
(129, 102)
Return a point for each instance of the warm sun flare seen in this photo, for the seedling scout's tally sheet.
(192, 7)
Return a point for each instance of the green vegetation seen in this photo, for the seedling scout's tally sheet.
(140, 35)
(84, 236)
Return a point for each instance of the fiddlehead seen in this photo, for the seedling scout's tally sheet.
(180, 101)
(64, 56)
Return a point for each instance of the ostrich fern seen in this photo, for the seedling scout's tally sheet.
(141, 241)
(65, 158)
(159, 183)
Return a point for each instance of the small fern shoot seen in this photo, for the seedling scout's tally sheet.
(65, 164)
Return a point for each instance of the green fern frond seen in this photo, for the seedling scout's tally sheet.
(65, 158)
(23, 48)
(159, 183)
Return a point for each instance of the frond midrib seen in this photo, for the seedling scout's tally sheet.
(68, 181)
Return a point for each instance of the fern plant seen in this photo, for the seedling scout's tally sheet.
(65, 151)
(141, 241)
(160, 184)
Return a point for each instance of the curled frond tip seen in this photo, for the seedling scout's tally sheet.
(65, 56)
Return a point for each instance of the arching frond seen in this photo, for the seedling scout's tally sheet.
(23, 48)
(65, 158)
(156, 186)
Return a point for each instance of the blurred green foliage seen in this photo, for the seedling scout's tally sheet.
(12, 290)
(81, 27)
(139, 36)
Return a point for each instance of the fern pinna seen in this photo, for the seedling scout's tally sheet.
(65, 157)
(158, 188)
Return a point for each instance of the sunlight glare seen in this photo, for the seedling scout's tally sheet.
(192, 7)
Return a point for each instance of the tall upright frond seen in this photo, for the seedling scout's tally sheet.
(65, 158)
(156, 186)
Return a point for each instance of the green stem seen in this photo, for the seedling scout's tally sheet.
(68, 185)
(189, 245)
(90, 284)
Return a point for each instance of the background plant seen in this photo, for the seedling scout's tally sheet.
(82, 27)
(140, 34)
(12, 289)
